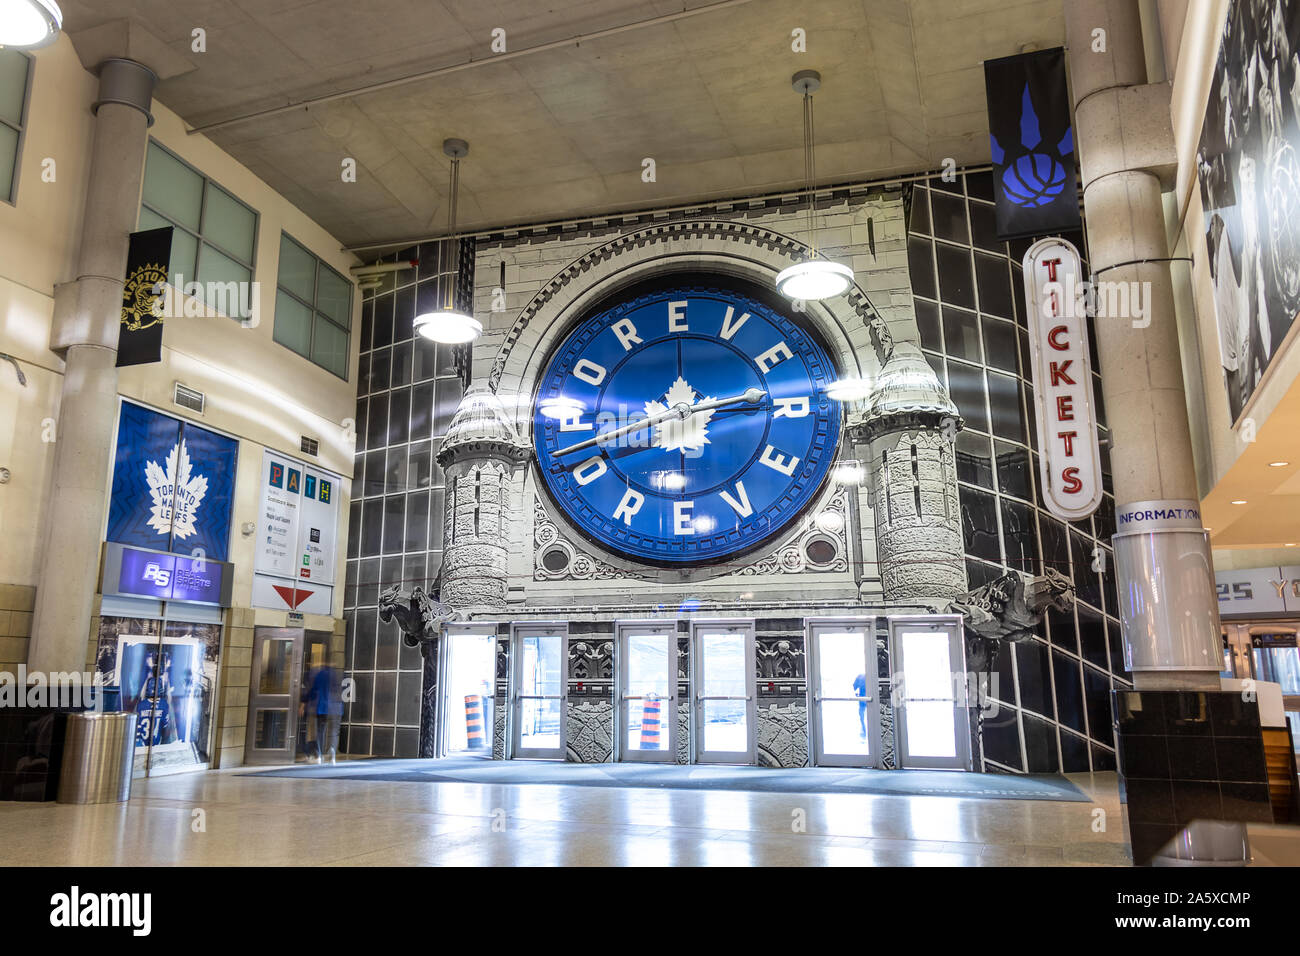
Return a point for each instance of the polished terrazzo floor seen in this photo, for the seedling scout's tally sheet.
(237, 818)
(261, 820)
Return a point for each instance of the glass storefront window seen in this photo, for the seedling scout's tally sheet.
(1281, 665)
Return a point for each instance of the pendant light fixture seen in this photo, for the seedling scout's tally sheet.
(448, 325)
(813, 278)
(29, 24)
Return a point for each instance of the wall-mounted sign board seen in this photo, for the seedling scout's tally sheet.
(135, 572)
(1070, 460)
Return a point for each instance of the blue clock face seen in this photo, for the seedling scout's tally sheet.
(685, 425)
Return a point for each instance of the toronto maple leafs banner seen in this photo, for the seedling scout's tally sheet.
(1032, 143)
(173, 485)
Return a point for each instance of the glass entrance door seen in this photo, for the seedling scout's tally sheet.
(932, 726)
(647, 691)
(843, 682)
(540, 658)
(723, 684)
(275, 691)
(315, 655)
(467, 683)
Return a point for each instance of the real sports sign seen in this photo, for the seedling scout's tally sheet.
(1069, 461)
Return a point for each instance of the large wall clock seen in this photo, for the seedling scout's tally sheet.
(686, 424)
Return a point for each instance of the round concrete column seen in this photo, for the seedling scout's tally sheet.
(1165, 579)
(88, 402)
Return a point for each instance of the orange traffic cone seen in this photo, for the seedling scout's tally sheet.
(474, 735)
(650, 723)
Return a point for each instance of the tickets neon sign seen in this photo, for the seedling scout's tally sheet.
(1070, 462)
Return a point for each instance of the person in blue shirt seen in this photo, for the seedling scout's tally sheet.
(322, 702)
(860, 692)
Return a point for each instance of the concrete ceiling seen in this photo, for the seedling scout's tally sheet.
(562, 133)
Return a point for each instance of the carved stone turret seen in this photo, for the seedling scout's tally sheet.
(908, 427)
(479, 455)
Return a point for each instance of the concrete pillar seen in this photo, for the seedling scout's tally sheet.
(86, 331)
(1164, 574)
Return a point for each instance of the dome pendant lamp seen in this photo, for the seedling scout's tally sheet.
(814, 278)
(447, 325)
(29, 24)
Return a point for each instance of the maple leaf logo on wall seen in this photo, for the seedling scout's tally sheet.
(688, 435)
(176, 495)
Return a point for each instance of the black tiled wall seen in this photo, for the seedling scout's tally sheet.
(1053, 692)
(1188, 756)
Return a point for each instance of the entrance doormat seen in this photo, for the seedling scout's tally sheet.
(910, 783)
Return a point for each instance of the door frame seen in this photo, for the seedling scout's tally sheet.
(749, 755)
(450, 630)
(961, 713)
(668, 627)
(254, 755)
(875, 738)
(519, 630)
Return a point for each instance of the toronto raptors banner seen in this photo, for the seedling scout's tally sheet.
(139, 341)
(1032, 144)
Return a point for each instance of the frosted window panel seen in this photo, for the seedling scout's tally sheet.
(329, 348)
(173, 188)
(334, 297)
(8, 159)
(184, 247)
(229, 223)
(226, 283)
(292, 323)
(13, 86)
(297, 269)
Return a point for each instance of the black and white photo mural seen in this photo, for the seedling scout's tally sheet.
(1250, 188)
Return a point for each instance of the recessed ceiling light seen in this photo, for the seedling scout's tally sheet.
(1239, 501)
(1290, 544)
(1278, 464)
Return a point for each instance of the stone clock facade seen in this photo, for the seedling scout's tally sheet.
(644, 433)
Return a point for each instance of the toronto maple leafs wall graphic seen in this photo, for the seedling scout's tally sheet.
(173, 485)
(1250, 189)
(1031, 140)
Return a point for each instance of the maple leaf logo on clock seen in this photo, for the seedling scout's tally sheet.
(692, 434)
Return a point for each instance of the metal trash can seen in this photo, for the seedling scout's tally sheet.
(98, 757)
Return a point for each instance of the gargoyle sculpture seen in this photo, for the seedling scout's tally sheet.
(418, 615)
(1008, 609)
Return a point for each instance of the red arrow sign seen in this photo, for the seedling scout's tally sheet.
(292, 597)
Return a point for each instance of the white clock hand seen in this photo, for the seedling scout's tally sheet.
(681, 411)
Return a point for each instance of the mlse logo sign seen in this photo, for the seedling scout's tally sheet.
(1070, 463)
(157, 574)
